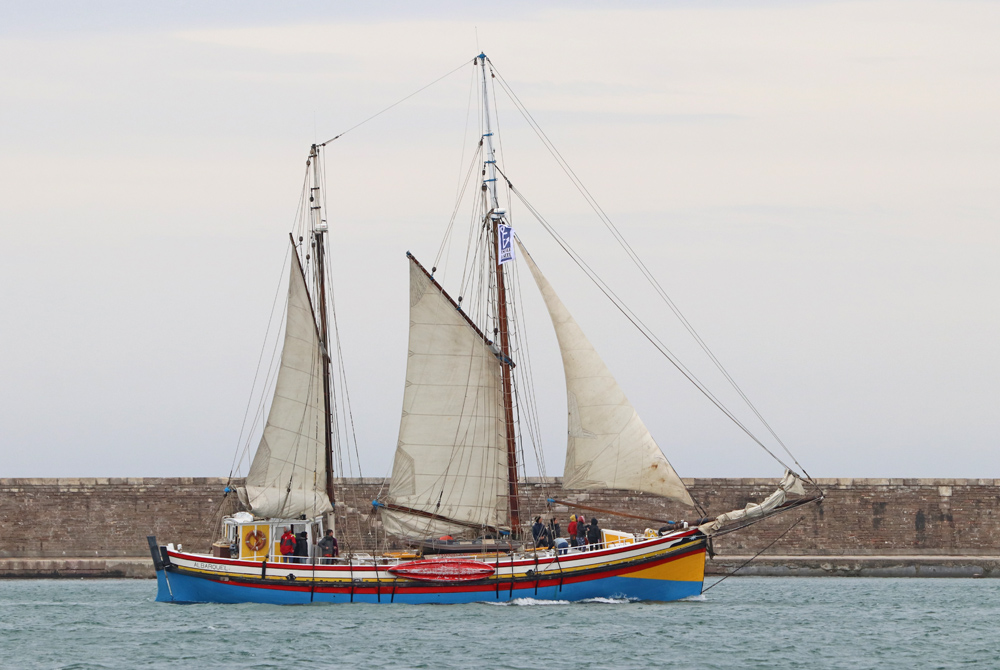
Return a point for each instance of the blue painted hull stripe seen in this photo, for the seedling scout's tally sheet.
(189, 589)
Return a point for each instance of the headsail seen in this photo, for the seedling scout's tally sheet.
(790, 483)
(608, 445)
(288, 474)
(451, 458)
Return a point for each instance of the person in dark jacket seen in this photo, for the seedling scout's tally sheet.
(537, 530)
(540, 534)
(554, 531)
(581, 532)
(302, 547)
(328, 547)
(594, 533)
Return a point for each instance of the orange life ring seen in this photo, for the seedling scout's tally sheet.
(255, 540)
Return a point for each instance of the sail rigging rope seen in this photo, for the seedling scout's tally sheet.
(517, 343)
(609, 293)
(341, 407)
(529, 405)
(754, 557)
(458, 205)
(268, 385)
(241, 453)
(636, 260)
(263, 346)
(640, 325)
(400, 101)
(342, 370)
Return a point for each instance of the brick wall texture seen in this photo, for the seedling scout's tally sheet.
(861, 517)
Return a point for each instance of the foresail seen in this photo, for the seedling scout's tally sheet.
(451, 458)
(288, 474)
(608, 445)
(790, 483)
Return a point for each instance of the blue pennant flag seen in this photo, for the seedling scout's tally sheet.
(506, 234)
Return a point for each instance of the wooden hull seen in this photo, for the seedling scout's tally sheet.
(659, 569)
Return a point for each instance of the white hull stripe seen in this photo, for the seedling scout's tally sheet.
(545, 566)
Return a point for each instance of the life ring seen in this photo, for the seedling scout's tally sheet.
(255, 540)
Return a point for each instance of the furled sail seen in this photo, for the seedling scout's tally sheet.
(288, 474)
(608, 445)
(790, 483)
(451, 459)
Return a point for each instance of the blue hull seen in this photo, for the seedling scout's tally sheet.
(180, 588)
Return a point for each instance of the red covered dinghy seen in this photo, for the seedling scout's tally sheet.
(443, 570)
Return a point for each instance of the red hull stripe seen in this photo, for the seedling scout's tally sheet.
(504, 584)
(567, 561)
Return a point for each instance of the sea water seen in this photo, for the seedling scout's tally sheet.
(745, 622)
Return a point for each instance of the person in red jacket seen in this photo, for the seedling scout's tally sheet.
(288, 545)
(571, 529)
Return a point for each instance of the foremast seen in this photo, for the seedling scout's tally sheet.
(495, 218)
(291, 474)
(318, 231)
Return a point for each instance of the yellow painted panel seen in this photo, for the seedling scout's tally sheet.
(254, 542)
(613, 538)
(688, 569)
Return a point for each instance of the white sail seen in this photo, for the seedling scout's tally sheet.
(451, 458)
(608, 445)
(288, 474)
(790, 483)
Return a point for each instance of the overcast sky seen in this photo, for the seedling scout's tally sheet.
(817, 185)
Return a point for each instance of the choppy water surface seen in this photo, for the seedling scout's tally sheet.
(744, 623)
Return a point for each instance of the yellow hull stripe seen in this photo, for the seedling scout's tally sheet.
(688, 569)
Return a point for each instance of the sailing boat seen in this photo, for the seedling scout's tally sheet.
(455, 477)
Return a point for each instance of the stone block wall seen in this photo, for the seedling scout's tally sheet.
(106, 517)
(56, 518)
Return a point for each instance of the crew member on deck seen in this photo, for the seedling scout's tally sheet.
(536, 529)
(302, 547)
(288, 546)
(328, 547)
(594, 534)
(540, 534)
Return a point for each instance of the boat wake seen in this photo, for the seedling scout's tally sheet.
(610, 601)
(700, 598)
(528, 602)
(532, 602)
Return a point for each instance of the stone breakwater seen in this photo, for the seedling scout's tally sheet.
(950, 527)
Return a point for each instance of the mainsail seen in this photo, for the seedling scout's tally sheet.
(451, 459)
(608, 445)
(288, 475)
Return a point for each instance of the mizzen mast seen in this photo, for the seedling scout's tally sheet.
(501, 239)
(318, 232)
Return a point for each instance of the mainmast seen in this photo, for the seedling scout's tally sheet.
(496, 215)
(319, 228)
